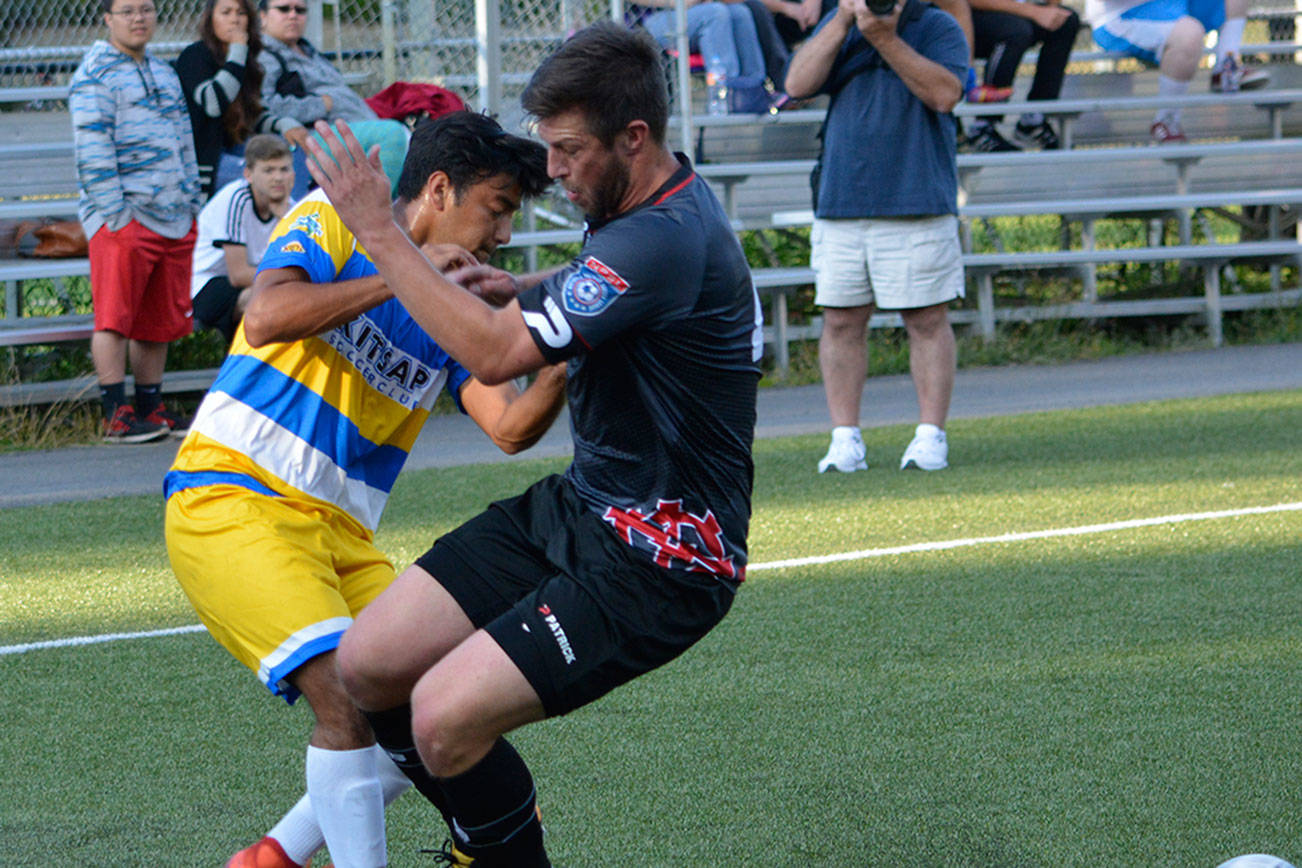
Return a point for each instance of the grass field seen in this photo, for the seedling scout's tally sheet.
(1126, 697)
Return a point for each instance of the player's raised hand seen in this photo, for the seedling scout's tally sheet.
(493, 285)
(352, 178)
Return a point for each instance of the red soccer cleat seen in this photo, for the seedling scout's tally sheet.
(267, 853)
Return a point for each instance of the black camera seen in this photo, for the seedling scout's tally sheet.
(881, 8)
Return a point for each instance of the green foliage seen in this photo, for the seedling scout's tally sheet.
(1118, 698)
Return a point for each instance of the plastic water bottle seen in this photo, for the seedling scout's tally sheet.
(716, 83)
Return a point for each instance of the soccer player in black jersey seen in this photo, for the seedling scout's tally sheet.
(547, 601)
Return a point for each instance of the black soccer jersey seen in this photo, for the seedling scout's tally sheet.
(660, 321)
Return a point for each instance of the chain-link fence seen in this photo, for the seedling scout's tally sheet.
(374, 41)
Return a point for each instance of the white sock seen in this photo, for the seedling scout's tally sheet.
(392, 780)
(1170, 87)
(929, 429)
(298, 832)
(349, 802)
(1031, 119)
(1229, 38)
(846, 432)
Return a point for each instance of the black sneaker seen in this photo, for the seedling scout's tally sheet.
(987, 140)
(1039, 135)
(178, 426)
(124, 426)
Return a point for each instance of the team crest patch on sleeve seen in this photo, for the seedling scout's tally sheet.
(309, 224)
(292, 247)
(592, 288)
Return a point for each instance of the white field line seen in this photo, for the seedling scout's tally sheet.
(816, 560)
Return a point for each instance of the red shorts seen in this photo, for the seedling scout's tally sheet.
(140, 283)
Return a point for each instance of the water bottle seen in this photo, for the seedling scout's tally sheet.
(716, 83)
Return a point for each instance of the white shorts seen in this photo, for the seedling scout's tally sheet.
(895, 264)
(1142, 31)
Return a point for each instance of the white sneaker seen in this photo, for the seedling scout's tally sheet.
(928, 451)
(846, 453)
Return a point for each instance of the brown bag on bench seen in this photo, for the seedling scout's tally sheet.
(60, 240)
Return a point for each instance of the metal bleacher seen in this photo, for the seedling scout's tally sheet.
(1247, 152)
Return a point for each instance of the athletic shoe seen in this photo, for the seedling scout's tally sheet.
(267, 853)
(987, 140)
(1231, 76)
(846, 453)
(448, 854)
(178, 426)
(988, 93)
(1039, 135)
(1167, 133)
(124, 426)
(928, 451)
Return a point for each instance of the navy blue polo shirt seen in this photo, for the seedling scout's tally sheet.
(886, 154)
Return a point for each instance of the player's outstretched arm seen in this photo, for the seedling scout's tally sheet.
(286, 306)
(494, 344)
(516, 420)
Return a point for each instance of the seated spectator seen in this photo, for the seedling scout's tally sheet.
(1170, 34)
(223, 89)
(773, 48)
(721, 30)
(1005, 29)
(234, 229)
(298, 82)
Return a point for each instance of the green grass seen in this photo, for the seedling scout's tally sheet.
(1126, 698)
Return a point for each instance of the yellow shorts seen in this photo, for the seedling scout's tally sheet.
(276, 580)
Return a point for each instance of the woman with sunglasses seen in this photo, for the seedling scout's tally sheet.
(222, 81)
(299, 82)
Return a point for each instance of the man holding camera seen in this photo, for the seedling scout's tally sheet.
(886, 204)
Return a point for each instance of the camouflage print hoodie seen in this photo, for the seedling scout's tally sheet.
(135, 151)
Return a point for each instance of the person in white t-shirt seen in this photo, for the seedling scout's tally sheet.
(1170, 34)
(234, 230)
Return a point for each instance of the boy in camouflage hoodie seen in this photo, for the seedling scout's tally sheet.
(139, 197)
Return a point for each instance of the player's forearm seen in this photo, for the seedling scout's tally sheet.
(528, 281)
(291, 310)
(477, 335)
(528, 417)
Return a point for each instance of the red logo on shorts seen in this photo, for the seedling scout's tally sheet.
(664, 529)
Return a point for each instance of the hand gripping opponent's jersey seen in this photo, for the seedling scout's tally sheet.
(331, 416)
(660, 321)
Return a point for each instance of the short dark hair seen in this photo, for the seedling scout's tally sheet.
(613, 74)
(263, 147)
(470, 147)
(106, 6)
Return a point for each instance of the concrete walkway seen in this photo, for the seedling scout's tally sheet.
(90, 472)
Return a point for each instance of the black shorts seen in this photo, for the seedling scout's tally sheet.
(579, 611)
(214, 306)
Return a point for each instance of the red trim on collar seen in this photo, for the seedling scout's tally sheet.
(674, 190)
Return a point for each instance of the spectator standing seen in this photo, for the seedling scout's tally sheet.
(544, 602)
(275, 495)
(234, 230)
(222, 81)
(139, 193)
(886, 230)
(1005, 29)
(1169, 34)
(299, 83)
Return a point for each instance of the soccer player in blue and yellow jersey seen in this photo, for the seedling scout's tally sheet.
(275, 495)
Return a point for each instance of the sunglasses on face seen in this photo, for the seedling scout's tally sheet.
(291, 10)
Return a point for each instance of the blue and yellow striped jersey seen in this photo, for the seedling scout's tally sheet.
(332, 416)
